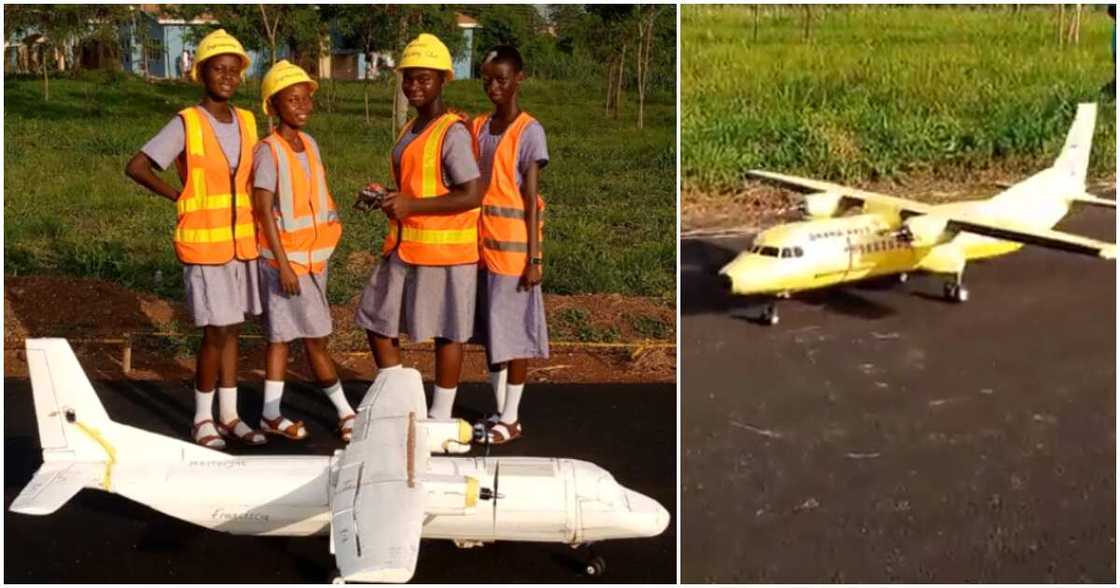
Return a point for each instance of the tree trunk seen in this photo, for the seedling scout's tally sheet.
(46, 84)
(618, 86)
(400, 106)
(808, 20)
(610, 87)
(365, 96)
(1061, 25)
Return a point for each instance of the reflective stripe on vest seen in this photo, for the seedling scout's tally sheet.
(430, 239)
(504, 234)
(305, 215)
(215, 209)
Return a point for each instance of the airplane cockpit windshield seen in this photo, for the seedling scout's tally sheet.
(781, 252)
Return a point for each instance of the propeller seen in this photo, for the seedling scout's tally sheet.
(492, 493)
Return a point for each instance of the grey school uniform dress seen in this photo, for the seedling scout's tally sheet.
(217, 295)
(511, 324)
(425, 302)
(287, 318)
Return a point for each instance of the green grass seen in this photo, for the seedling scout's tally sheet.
(885, 91)
(69, 209)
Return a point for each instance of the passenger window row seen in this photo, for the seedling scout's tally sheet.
(784, 252)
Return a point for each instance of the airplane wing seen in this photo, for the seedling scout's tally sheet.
(1031, 236)
(377, 502)
(863, 196)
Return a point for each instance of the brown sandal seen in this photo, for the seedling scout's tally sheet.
(346, 427)
(251, 437)
(294, 431)
(207, 441)
(504, 432)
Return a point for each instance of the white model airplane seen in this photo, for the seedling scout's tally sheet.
(854, 234)
(376, 498)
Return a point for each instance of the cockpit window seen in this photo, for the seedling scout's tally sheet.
(768, 251)
(797, 252)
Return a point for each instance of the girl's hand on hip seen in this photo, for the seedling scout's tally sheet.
(529, 278)
(289, 281)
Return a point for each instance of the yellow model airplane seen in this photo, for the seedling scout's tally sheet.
(894, 236)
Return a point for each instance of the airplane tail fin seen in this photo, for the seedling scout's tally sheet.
(81, 444)
(1073, 162)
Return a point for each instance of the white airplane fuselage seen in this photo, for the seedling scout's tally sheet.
(540, 499)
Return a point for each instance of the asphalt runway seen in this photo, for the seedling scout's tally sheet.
(880, 434)
(629, 429)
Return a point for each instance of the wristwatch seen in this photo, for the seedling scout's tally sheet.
(536, 261)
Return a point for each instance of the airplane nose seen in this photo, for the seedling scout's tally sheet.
(649, 518)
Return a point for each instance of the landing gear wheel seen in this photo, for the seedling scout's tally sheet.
(769, 315)
(903, 278)
(336, 577)
(596, 566)
(956, 292)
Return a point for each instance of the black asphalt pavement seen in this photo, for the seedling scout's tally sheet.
(628, 429)
(881, 434)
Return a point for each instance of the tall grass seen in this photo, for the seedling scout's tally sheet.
(69, 209)
(885, 91)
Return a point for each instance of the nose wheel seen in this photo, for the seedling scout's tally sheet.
(336, 577)
(592, 564)
(596, 566)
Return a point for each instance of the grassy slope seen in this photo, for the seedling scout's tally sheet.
(884, 91)
(69, 209)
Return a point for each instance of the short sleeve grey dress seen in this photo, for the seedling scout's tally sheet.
(217, 295)
(511, 324)
(425, 302)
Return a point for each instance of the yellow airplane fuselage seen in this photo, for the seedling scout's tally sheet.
(819, 253)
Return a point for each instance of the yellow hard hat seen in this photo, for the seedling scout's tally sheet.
(429, 52)
(280, 76)
(218, 42)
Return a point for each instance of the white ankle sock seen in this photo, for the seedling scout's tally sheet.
(227, 404)
(338, 398)
(273, 394)
(442, 401)
(203, 405)
(498, 384)
(513, 400)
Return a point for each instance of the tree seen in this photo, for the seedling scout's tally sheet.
(388, 28)
(647, 15)
(61, 28)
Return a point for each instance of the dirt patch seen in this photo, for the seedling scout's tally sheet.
(615, 339)
(756, 204)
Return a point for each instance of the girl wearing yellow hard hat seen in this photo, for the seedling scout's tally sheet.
(425, 283)
(211, 145)
(298, 230)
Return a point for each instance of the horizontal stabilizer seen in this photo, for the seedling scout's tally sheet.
(54, 484)
(1090, 200)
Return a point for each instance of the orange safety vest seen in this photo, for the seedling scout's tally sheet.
(305, 213)
(505, 235)
(430, 239)
(215, 208)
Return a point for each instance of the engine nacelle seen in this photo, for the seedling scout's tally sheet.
(450, 495)
(821, 205)
(926, 230)
(448, 436)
